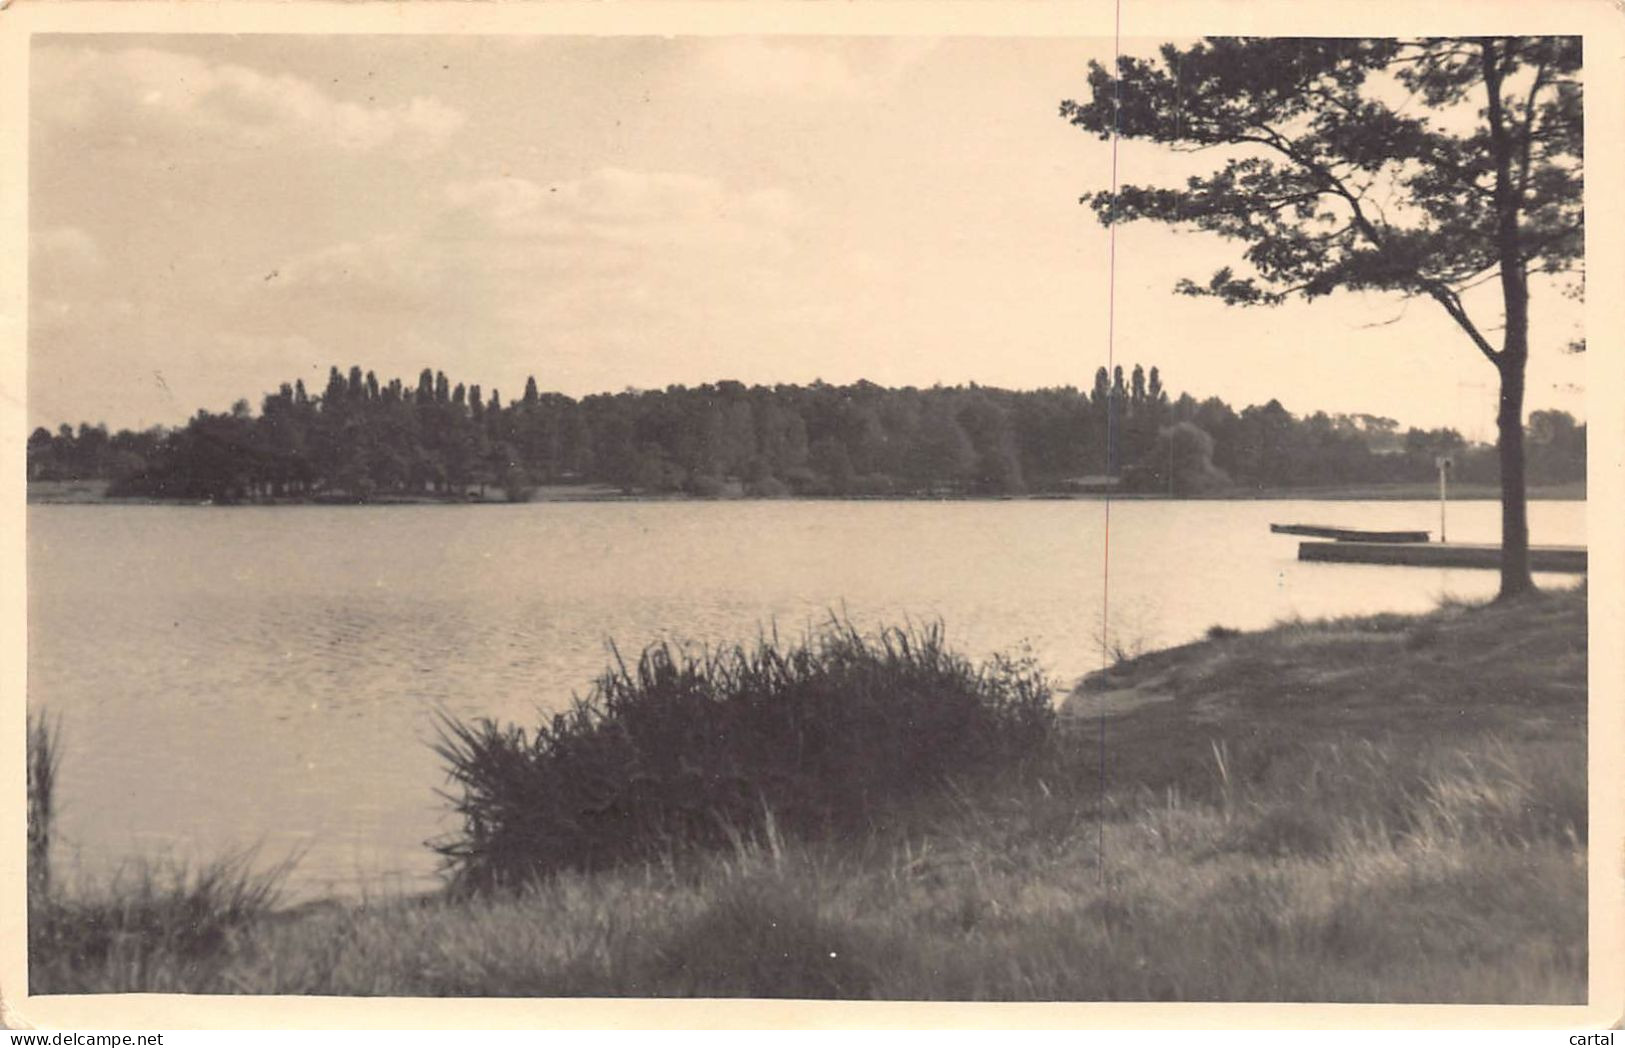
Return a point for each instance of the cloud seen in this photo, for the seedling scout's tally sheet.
(611, 195)
(617, 208)
(809, 68)
(142, 96)
(640, 263)
(391, 271)
(638, 224)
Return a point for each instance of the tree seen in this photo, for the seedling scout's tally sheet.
(1264, 441)
(1334, 179)
(1557, 449)
(941, 453)
(334, 394)
(782, 436)
(1114, 423)
(40, 447)
(997, 465)
(1103, 386)
(1180, 462)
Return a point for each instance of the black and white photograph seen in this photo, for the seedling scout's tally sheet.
(1086, 509)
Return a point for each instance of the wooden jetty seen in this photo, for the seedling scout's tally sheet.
(1318, 531)
(1441, 555)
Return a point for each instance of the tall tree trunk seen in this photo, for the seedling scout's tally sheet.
(1515, 578)
(1514, 356)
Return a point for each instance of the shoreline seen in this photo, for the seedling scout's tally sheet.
(1321, 782)
(92, 493)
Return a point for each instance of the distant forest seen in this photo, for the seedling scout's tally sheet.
(360, 439)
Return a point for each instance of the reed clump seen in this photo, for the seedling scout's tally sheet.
(43, 758)
(687, 748)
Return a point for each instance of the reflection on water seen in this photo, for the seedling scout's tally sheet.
(269, 675)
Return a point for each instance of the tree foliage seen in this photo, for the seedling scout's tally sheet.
(727, 438)
(1332, 186)
(1423, 167)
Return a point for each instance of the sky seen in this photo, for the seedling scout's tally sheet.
(211, 216)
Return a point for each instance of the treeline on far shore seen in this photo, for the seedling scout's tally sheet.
(361, 438)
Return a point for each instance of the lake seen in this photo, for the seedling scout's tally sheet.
(268, 676)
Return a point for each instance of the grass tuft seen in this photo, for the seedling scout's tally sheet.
(159, 924)
(687, 749)
(765, 937)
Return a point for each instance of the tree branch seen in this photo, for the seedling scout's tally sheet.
(1452, 305)
(1438, 290)
(1396, 318)
(1528, 136)
(1483, 276)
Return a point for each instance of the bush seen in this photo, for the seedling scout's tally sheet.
(689, 748)
(768, 487)
(804, 481)
(516, 484)
(705, 486)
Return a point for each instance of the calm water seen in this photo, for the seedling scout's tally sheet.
(268, 675)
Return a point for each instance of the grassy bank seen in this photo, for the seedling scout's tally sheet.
(1571, 491)
(1388, 808)
(94, 492)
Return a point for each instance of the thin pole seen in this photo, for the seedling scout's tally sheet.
(1444, 471)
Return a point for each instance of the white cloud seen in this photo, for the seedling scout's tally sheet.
(140, 96)
(809, 68)
(614, 202)
(633, 262)
(392, 269)
(632, 226)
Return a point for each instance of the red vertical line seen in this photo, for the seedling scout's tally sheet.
(1111, 435)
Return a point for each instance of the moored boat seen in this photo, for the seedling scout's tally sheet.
(1349, 534)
